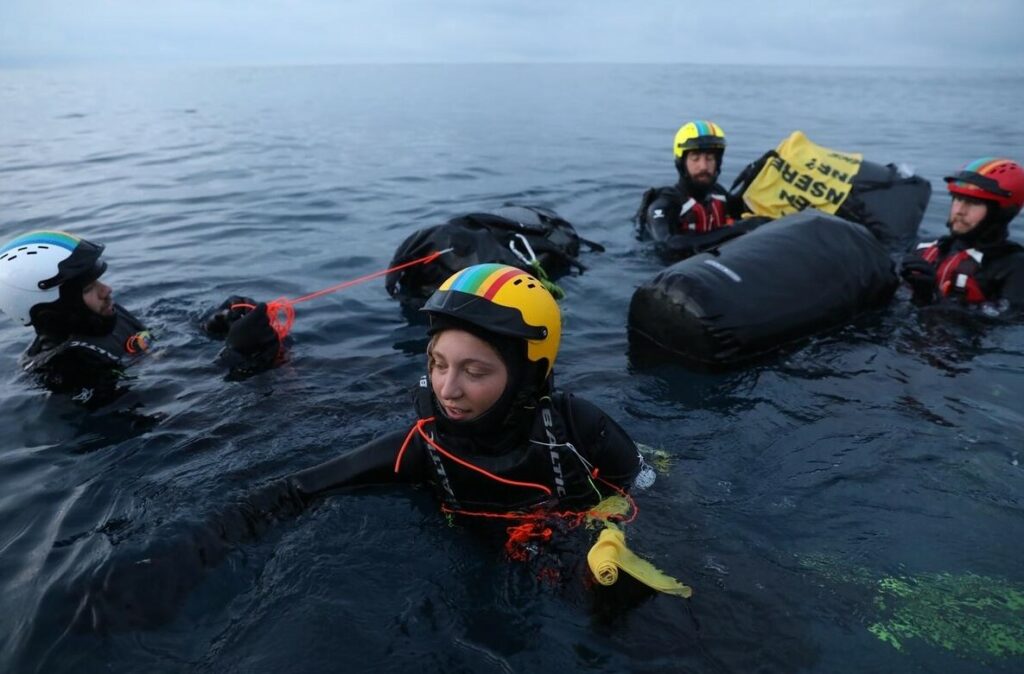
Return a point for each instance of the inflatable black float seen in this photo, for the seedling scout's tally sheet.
(798, 174)
(811, 251)
(532, 238)
(787, 279)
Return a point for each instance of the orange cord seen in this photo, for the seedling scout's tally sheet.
(401, 452)
(535, 526)
(275, 310)
(519, 538)
(281, 312)
(426, 259)
(532, 525)
(462, 462)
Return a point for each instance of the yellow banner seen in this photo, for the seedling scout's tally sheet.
(804, 175)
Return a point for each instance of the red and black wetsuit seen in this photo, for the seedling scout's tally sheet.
(979, 273)
(682, 221)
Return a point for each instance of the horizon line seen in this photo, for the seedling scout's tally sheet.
(120, 64)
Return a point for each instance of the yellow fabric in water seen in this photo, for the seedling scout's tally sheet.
(804, 175)
(611, 506)
(610, 554)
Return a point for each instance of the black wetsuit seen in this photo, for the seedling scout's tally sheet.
(682, 220)
(525, 455)
(88, 367)
(121, 593)
(972, 273)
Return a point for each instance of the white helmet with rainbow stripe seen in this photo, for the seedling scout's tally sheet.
(34, 265)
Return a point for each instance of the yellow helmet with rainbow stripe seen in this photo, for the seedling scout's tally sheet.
(507, 301)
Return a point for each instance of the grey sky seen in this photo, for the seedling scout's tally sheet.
(862, 32)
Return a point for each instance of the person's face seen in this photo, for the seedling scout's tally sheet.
(466, 373)
(965, 214)
(701, 166)
(99, 298)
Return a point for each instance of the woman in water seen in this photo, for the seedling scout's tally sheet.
(491, 434)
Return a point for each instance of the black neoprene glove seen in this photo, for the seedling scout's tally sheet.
(920, 275)
(252, 336)
(678, 246)
(219, 321)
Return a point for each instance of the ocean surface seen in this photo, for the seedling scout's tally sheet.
(851, 503)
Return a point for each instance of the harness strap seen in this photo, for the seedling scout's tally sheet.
(527, 528)
(703, 219)
(956, 274)
(418, 428)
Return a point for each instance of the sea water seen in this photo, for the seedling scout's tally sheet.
(854, 502)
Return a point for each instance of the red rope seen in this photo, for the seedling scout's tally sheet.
(462, 462)
(281, 312)
(275, 310)
(408, 439)
(532, 526)
(573, 517)
(535, 526)
(519, 538)
(426, 259)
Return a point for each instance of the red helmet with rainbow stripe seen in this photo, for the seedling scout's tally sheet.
(506, 301)
(991, 179)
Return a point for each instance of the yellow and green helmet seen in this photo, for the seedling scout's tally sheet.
(699, 135)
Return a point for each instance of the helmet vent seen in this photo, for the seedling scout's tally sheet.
(517, 281)
(32, 252)
(531, 285)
